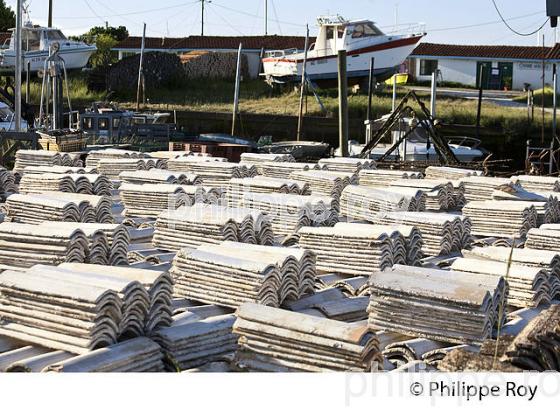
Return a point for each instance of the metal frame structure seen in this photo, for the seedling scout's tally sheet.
(403, 109)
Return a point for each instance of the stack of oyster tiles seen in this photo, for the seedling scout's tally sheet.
(350, 165)
(354, 249)
(149, 200)
(449, 306)
(384, 177)
(159, 176)
(501, 218)
(275, 340)
(363, 203)
(230, 276)
(58, 206)
(284, 169)
(131, 356)
(441, 233)
(238, 187)
(117, 237)
(528, 286)
(197, 343)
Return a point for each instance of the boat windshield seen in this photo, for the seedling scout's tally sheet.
(31, 40)
(54, 35)
(362, 30)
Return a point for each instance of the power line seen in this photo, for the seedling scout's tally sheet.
(254, 16)
(527, 27)
(511, 28)
(488, 23)
(225, 21)
(132, 13)
(93, 11)
(123, 17)
(276, 17)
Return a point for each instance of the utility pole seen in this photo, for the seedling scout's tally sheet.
(50, 13)
(17, 73)
(140, 69)
(266, 17)
(202, 3)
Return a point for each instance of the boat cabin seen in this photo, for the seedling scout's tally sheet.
(36, 38)
(336, 34)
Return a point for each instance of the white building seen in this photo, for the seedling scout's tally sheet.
(502, 67)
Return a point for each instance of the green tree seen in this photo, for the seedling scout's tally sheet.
(117, 33)
(104, 38)
(7, 17)
(104, 55)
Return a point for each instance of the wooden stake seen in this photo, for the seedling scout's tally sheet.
(343, 103)
(140, 68)
(237, 85)
(302, 90)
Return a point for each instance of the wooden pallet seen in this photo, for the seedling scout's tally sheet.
(63, 146)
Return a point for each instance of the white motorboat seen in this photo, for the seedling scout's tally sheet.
(36, 44)
(361, 39)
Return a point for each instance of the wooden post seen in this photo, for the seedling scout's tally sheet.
(433, 98)
(342, 103)
(554, 123)
(394, 92)
(532, 105)
(302, 90)
(370, 88)
(27, 81)
(17, 73)
(528, 105)
(480, 94)
(543, 85)
(237, 85)
(554, 99)
(140, 67)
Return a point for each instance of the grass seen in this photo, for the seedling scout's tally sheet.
(538, 97)
(257, 97)
(77, 85)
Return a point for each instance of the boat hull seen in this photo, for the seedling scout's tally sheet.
(388, 57)
(73, 59)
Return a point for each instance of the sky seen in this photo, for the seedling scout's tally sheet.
(446, 21)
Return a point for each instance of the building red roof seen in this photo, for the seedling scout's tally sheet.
(554, 53)
(216, 42)
(498, 52)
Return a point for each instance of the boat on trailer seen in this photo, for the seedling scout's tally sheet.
(36, 47)
(361, 39)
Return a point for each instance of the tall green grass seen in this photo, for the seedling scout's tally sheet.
(77, 86)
